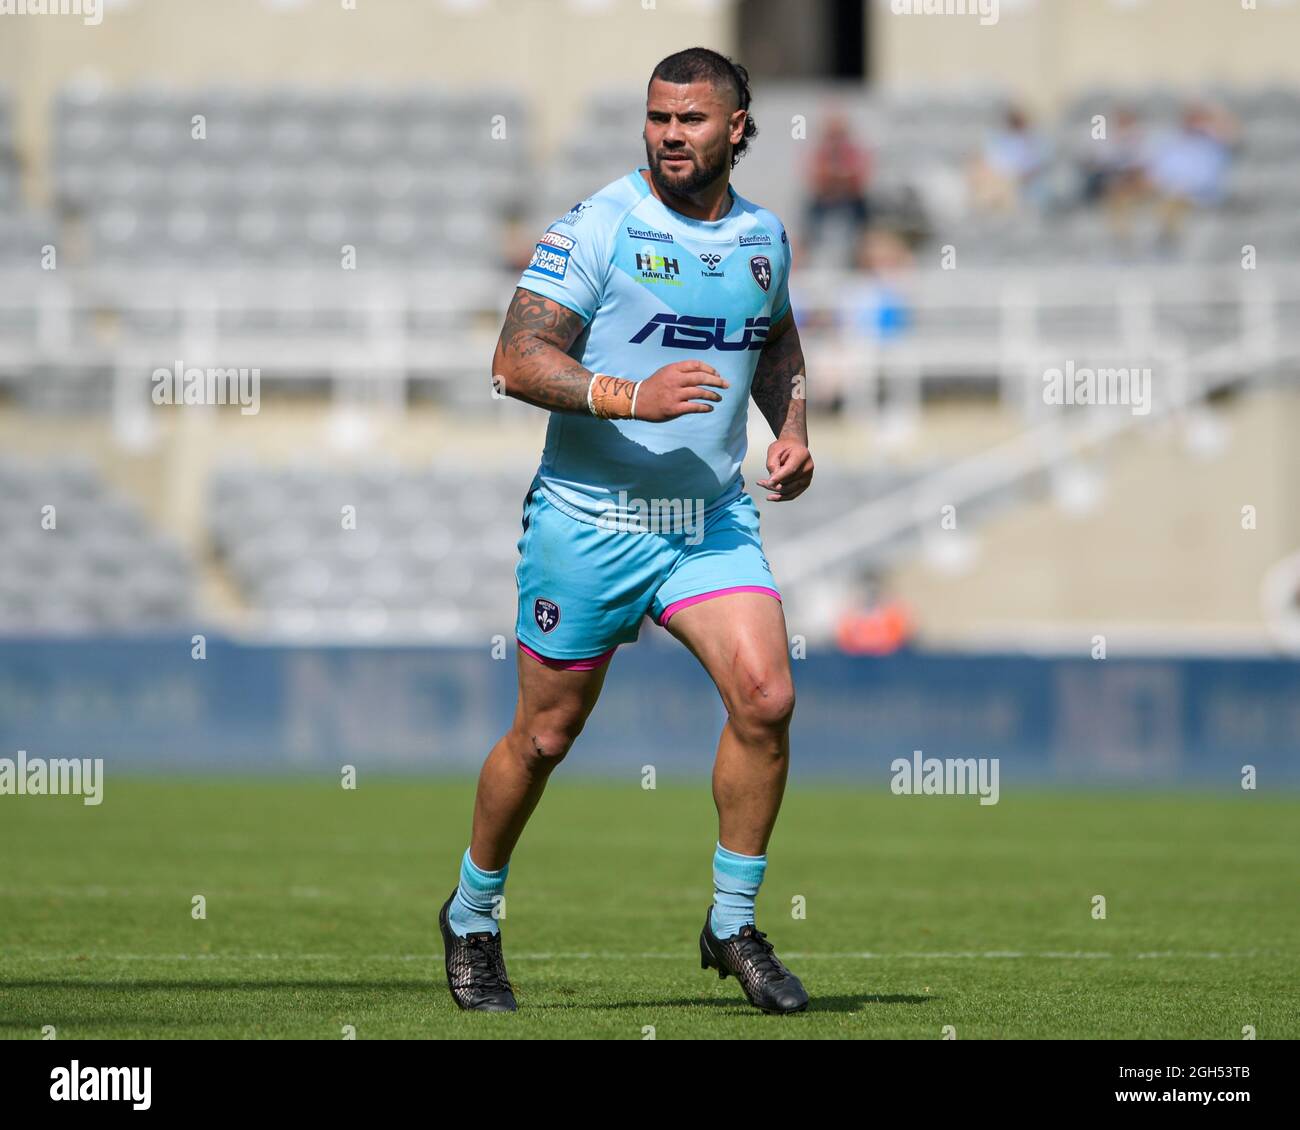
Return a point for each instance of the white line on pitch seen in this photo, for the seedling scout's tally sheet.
(996, 955)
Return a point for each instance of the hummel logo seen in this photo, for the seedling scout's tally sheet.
(711, 261)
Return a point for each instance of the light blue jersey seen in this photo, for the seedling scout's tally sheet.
(657, 287)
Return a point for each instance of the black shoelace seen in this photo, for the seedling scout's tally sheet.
(487, 969)
(760, 952)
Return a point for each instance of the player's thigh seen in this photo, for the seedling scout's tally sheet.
(556, 701)
(740, 639)
(722, 601)
(583, 590)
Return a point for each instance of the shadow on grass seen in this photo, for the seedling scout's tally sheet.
(737, 1004)
(432, 992)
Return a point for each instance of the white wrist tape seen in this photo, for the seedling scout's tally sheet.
(636, 391)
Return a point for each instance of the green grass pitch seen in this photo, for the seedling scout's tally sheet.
(921, 912)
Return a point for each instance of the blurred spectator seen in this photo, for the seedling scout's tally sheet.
(1114, 173)
(878, 304)
(1188, 168)
(839, 179)
(873, 309)
(881, 628)
(1012, 168)
(1116, 162)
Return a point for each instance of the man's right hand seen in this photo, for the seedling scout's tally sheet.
(676, 390)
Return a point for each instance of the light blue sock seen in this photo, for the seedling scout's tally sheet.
(736, 879)
(471, 909)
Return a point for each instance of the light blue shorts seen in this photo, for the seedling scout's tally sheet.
(584, 590)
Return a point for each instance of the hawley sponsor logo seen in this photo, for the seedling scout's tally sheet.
(657, 269)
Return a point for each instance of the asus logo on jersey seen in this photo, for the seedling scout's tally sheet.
(685, 331)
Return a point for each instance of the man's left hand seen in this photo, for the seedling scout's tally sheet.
(789, 469)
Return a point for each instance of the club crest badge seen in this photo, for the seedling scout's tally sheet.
(547, 615)
(761, 268)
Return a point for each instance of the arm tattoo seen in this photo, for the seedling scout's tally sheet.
(532, 354)
(779, 385)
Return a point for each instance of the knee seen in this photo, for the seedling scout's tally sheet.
(543, 742)
(764, 706)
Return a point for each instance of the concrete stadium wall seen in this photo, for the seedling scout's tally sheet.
(1045, 50)
(1163, 547)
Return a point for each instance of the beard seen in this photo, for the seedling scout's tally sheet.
(702, 172)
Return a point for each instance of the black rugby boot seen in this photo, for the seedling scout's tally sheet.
(749, 957)
(476, 971)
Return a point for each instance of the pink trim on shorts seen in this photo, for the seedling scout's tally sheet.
(570, 664)
(678, 605)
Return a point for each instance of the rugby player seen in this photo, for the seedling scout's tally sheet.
(647, 318)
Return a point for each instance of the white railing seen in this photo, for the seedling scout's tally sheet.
(1058, 440)
(967, 324)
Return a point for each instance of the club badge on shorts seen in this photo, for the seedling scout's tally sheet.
(761, 268)
(547, 614)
